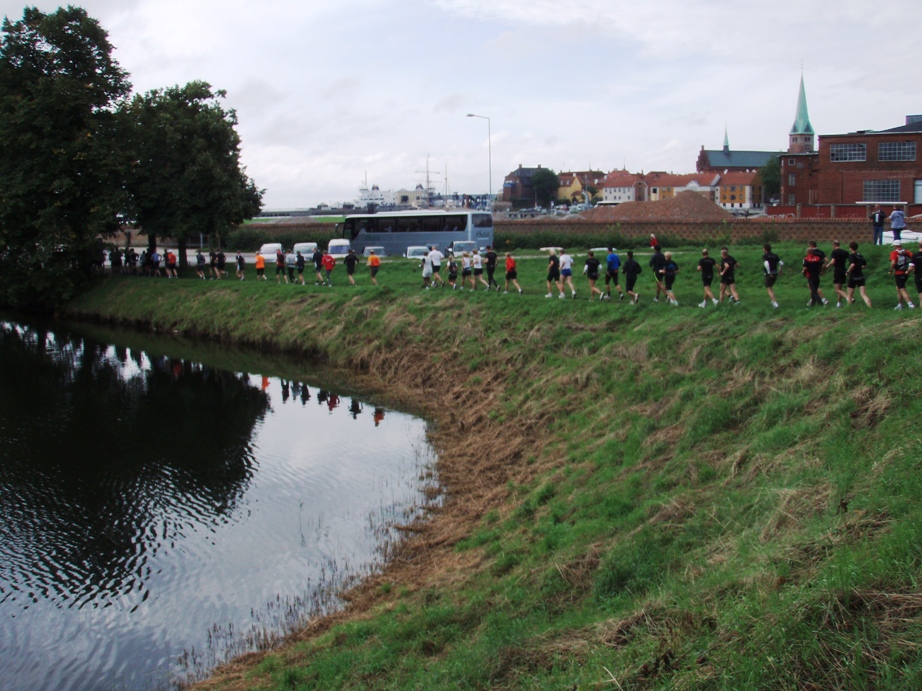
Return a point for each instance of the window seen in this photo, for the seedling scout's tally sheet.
(792, 179)
(881, 191)
(791, 199)
(790, 161)
(848, 152)
(896, 151)
(483, 221)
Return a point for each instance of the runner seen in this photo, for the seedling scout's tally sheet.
(291, 263)
(855, 273)
(427, 269)
(171, 265)
(280, 266)
(592, 273)
(154, 258)
(631, 271)
(670, 270)
(435, 259)
(822, 255)
(706, 268)
(350, 261)
(213, 263)
(200, 264)
(838, 260)
(452, 272)
(612, 267)
(658, 264)
(328, 262)
(553, 274)
(374, 263)
(222, 262)
(239, 261)
(900, 266)
(299, 263)
(477, 262)
(728, 267)
(917, 270)
(466, 270)
(813, 266)
(511, 273)
(771, 265)
(490, 261)
(566, 273)
(260, 266)
(317, 260)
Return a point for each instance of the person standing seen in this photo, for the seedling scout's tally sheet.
(658, 264)
(511, 273)
(490, 259)
(566, 273)
(240, 265)
(612, 267)
(631, 270)
(670, 271)
(900, 266)
(728, 266)
(897, 223)
(374, 264)
(435, 258)
(260, 266)
(317, 261)
(553, 274)
(855, 273)
(592, 273)
(813, 266)
(706, 268)
(838, 260)
(771, 265)
(877, 222)
(350, 261)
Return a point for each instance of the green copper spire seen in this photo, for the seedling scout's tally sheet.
(802, 118)
(726, 139)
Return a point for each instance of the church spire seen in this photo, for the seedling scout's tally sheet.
(800, 139)
(726, 140)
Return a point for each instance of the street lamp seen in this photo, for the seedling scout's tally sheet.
(489, 154)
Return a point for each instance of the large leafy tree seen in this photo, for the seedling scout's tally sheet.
(545, 182)
(61, 165)
(771, 177)
(187, 178)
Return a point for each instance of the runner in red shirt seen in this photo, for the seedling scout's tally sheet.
(900, 266)
(511, 273)
(328, 262)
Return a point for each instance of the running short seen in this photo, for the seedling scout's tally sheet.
(260, 272)
(478, 272)
(919, 284)
(900, 280)
(727, 280)
(465, 273)
(436, 268)
(629, 282)
(279, 269)
(770, 280)
(838, 279)
(855, 281)
(512, 275)
(350, 270)
(611, 277)
(669, 280)
(374, 271)
(566, 272)
(553, 275)
(707, 279)
(593, 276)
(300, 270)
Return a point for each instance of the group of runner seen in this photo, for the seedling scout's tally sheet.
(470, 270)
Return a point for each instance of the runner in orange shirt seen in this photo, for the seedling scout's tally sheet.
(374, 263)
(260, 267)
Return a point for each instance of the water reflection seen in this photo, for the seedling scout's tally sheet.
(147, 498)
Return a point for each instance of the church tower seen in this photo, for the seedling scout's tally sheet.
(800, 140)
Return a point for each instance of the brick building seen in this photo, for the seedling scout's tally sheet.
(724, 160)
(517, 187)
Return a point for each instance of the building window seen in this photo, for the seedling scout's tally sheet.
(790, 161)
(792, 179)
(848, 152)
(881, 191)
(791, 199)
(896, 151)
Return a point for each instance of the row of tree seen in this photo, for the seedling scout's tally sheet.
(82, 158)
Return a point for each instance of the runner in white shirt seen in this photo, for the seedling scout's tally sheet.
(435, 259)
(566, 273)
(477, 261)
(427, 271)
(466, 270)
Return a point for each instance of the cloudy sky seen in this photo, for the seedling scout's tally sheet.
(329, 92)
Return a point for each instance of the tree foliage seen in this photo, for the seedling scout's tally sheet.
(544, 181)
(771, 177)
(187, 179)
(61, 168)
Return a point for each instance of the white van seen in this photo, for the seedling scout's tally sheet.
(305, 248)
(339, 248)
(268, 251)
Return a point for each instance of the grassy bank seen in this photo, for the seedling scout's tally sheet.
(637, 497)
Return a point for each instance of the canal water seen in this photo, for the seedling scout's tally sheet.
(163, 506)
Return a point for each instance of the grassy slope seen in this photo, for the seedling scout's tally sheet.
(669, 508)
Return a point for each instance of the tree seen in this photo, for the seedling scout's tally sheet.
(545, 183)
(771, 177)
(61, 169)
(187, 178)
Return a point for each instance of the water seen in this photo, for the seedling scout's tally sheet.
(157, 514)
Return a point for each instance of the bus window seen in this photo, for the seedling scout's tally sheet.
(431, 224)
(349, 228)
(456, 224)
(482, 220)
(407, 225)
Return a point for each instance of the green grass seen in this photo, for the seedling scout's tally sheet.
(681, 524)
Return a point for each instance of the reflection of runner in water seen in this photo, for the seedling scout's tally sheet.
(332, 402)
(286, 391)
(305, 394)
(321, 397)
(355, 408)
(379, 416)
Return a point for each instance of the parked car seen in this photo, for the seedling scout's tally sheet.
(416, 252)
(460, 246)
(339, 248)
(269, 249)
(305, 248)
(377, 249)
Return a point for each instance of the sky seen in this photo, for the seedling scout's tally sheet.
(332, 93)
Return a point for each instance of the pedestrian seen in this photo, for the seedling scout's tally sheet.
(612, 267)
(200, 264)
(670, 271)
(477, 264)
(591, 269)
(241, 263)
(328, 262)
(350, 261)
(291, 263)
(566, 273)
(280, 266)
(452, 272)
(728, 266)
(490, 259)
(171, 265)
(900, 266)
(435, 258)
(374, 263)
(260, 266)
(299, 264)
(917, 270)
(813, 266)
(897, 223)
(553, 273)
(838, 260)
(855, 273)
(511, 273)
(771, 266)
(877, 222)
(466, 269)
(154, 258)
(631, 270)
(317, 260)
(213, 263)
(706, 268)
(222, 263)
(427, 268)
(115, 260)
(658, 264)
(132, 260)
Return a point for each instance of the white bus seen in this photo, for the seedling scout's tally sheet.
(401, 229)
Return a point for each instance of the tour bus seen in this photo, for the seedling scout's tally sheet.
(400, 229)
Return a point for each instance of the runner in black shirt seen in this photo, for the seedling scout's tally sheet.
(706, 269)
(728, 276)
(592, 273)
(817, 252)
(855, 273)
(317, 259)
(631, 270)
(670, 271)
(299, 263)
(838, 260)
(771, 265)
(658, 264)
(553, 273)
(350, 261)
(490, 263)
(813, 266)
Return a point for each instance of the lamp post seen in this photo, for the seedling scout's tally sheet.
(489, 155)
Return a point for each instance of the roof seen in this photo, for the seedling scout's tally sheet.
(751, 160)
(738, 177)
(621, 178)
(672, 180)
(801, 117)
(911, 127)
